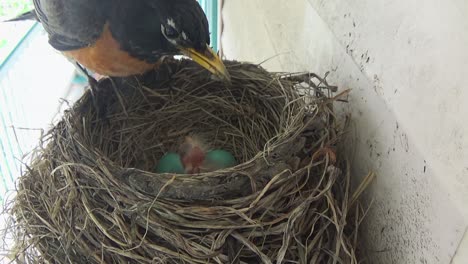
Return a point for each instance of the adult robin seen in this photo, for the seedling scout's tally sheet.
(121, 38)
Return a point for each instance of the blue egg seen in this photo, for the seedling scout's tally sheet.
(170, 163)
(219, 159)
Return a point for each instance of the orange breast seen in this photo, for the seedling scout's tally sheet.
(106, 58)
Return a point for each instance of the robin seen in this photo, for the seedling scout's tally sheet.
(121, 38)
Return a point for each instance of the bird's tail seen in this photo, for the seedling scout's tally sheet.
(30, 15)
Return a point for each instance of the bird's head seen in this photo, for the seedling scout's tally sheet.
(149, 29)
(184, 26)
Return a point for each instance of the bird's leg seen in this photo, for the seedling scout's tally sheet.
(93, 86)
(93, 83)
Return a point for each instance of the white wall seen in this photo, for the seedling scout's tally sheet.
(406, 61)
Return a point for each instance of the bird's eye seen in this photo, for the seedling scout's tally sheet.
(171, 32)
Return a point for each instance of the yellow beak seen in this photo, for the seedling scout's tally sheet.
(208, 60)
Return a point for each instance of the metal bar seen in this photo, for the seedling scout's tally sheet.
(18, 44)
(211, 10)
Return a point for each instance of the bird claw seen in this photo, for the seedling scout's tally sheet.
(100, 103)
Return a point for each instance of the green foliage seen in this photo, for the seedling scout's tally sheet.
(3, 43)
(11, 8)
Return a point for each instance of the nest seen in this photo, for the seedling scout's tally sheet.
(89, 194)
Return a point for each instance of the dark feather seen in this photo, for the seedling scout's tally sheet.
(30, 15)
(72, 24)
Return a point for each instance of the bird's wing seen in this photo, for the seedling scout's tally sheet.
(72, 24)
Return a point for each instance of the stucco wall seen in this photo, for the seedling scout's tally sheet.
(406, 61)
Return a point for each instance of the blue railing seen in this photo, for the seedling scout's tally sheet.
(33, 78)
(11, 108)
(211, 10)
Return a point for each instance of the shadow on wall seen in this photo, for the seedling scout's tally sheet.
(407, 83)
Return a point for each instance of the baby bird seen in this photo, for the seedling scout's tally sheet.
(193, 152)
